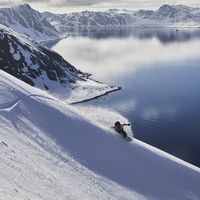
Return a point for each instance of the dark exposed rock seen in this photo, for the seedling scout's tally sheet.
(33, 63)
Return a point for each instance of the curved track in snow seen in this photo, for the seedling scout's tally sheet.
(12, 104)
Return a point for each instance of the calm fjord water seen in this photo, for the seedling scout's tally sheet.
(159, 71)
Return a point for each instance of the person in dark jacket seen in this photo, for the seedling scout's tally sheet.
(120, 128)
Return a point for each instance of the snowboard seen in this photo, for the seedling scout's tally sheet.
(128, 138)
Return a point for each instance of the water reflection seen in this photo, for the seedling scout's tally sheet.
(166, 35)
(117, 57)
(159, 72)
(154, 113)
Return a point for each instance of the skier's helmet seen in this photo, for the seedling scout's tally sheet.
(117, 123)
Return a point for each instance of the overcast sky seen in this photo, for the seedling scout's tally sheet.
(62, 6)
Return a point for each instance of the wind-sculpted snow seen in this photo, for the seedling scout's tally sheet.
(70, 155)
(45, 69)
(27, 21)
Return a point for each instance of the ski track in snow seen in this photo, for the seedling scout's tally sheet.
(11, 105)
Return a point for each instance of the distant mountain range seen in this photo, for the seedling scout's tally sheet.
(165, 16)
(48, 26)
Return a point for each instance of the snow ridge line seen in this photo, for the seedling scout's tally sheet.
(96, 97)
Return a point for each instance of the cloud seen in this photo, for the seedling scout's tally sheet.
(9, 2)
(34, 1)
(65, 2)
(130, 3)
(97, 4)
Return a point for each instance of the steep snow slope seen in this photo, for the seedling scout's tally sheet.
(45, 69)
(165, 16)
(27, 21)
(94, 163)
(32, 166)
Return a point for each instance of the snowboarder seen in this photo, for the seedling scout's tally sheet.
(120, 129)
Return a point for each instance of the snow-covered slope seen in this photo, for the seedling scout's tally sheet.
(45, 69)
(50, 150)
(32, 166)
(165, 16)
(27, 21)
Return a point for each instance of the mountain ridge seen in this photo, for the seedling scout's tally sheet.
(43, 26)
(166, 16)
(28, 21)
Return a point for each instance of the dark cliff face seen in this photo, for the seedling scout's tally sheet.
(33, 63)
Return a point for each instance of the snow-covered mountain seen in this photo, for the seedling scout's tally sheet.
(165, 16)
(86, 20)
(50, 150)
(27, 21)
(48, 26)
(45, 69)
(176, 14)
